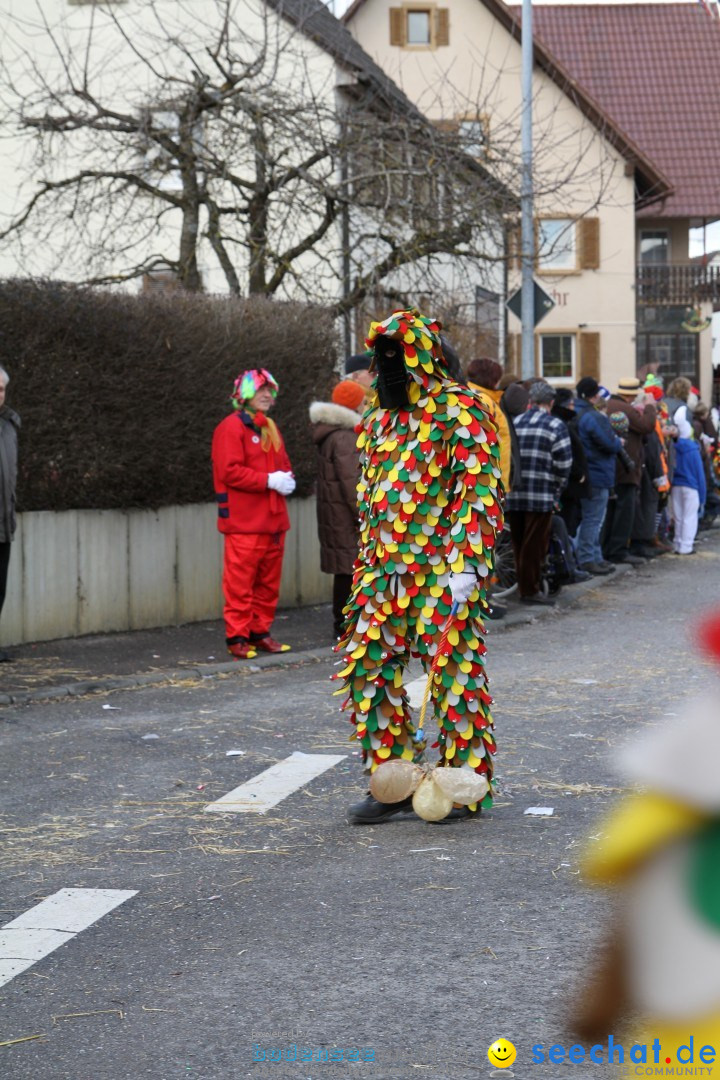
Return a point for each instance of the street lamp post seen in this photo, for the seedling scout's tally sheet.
(526, 198)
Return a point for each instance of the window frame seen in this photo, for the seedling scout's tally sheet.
(559, 380)
(419, 9)
(544, 268)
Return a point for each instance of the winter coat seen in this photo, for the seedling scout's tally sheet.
(490, 400)
(546, 456)
(335, 438)
(688, 467)
(578, 486)
(600, 443)
(646, 505)
(9, 427)
(641, 424)
(240, 474)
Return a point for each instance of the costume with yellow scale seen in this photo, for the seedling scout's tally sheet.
(429, 504)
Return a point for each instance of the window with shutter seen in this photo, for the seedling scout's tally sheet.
(442, 26)
(397, 26)
(589, 243)
(557, 357)
(556, 244)
(590, 355)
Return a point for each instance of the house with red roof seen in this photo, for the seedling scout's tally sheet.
(626, 161)
(655, 68)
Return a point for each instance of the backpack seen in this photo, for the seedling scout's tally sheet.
(560, 556)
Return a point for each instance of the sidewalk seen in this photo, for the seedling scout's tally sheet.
(73, 667)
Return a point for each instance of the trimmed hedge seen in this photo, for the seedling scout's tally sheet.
(119, 394)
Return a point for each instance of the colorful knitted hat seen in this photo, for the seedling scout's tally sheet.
(249, 382)
(619, 423)
(349, 394)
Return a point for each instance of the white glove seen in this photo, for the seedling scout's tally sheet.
(462, 585)
(282, 482)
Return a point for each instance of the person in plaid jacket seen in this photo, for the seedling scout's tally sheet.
(545, 459)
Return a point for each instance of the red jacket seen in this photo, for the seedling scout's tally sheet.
(240, 472)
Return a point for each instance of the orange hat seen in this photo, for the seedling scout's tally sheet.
(349, 394)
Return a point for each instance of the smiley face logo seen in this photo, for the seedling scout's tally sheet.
(501, 1054)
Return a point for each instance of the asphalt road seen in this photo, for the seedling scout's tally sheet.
(418, 944)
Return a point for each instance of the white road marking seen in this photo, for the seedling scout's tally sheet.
(270, 787)
(51, 923)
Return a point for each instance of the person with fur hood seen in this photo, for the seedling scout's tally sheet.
(333, 431)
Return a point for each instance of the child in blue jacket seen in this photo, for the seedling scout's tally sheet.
(688, 490)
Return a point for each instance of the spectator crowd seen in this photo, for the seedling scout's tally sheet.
(592, 477)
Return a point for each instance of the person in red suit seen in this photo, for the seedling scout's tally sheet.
(253, 476)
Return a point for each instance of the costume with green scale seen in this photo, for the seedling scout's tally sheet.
(430, 503)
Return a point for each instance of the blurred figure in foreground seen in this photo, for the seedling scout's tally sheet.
(662, 848)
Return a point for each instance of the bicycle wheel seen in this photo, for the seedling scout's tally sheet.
(504, 574)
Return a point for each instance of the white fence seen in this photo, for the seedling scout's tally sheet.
(90, 571)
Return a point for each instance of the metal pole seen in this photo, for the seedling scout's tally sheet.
(526, 198)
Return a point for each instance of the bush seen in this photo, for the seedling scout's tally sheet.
(119, 394)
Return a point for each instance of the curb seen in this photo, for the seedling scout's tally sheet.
(158, 678)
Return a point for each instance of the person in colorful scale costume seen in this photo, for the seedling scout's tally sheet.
(430, 508)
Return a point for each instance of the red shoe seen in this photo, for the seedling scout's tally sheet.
(268, 644)
(242, 650)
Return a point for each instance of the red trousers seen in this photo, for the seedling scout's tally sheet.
(251, 582)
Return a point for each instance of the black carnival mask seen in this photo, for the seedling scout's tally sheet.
(392, 379)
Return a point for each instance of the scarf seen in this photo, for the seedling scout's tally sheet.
(265, 427)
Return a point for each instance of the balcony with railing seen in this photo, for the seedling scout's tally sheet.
(678, 283)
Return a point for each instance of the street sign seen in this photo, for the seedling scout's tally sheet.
(542, 303)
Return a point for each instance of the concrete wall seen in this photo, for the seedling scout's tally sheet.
(91, 571)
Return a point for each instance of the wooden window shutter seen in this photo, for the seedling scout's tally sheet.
(589, 243)
(442, 26)
(397, 26)
(590, 355)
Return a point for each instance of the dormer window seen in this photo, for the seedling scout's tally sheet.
(418, 27)
(415, 26)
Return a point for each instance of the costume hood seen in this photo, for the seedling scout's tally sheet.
(420, 339)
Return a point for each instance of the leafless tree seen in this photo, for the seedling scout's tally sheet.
(158, 132)
(252, 138)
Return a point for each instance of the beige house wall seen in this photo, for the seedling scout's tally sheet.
(577, 171)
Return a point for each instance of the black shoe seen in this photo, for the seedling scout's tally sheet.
(597, 568)
(459, 812)
(5, 657)
(538, 598)
(644, 551)
(495, 612)
(372, 812)
(608, 567)
(632, 560)
(578, 576)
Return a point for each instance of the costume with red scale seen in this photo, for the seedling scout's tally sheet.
(429, 504)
